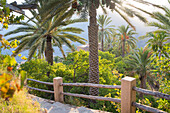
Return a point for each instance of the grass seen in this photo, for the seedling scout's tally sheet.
(20, 103)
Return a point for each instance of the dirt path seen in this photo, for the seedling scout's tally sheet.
(56, 107)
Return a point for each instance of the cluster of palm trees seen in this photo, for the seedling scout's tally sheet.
(123, 36)
(49, 28)
(141, 59)
(159, 39)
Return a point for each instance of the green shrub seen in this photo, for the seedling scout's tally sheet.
(37, 69)
(79, 62)
(76, 69)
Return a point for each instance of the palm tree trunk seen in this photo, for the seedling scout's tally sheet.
(49, 59)
(142, 84)
(49, 50)
(102, 41)
(108, 47)
(123, 48)
(93, 50)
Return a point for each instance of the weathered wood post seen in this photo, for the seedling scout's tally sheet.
(128, 95)
(58, 89)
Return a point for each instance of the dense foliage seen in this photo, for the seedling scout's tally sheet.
(75, 69)
(149, 65)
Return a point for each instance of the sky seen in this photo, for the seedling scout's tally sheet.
(141, 28)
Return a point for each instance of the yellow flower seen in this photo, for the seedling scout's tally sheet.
(120, 75)
(4, 90)
(13, 51)
(5, 25)
(15, 40)
(7, 85)
(24, 58)
(15, 46)
(6, 42)
(118, 93)
(19, 55)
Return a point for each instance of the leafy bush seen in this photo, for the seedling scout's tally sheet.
(76, 69)
(37, 69)
(12, 99)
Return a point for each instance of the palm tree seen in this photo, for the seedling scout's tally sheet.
(116, 5)
(126, 39)
(157, 42)
(140, 61)
(91, 6)
(54, 33)
(105, 31)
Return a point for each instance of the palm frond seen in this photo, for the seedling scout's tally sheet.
(20, 29)
(32, 51)
(125, 18)
(20, 37)
(59, 20)
(72, 29)
(75, 38)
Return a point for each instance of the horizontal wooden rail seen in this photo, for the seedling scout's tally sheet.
(128, 93)
(47, 83)
(148, 92)
(92, 85)
(93, 97)
(147, 108)
(43, 90)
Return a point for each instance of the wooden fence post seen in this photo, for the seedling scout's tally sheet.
(128, 95)
(58, 89)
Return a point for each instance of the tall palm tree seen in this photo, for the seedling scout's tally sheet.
(91, 6)
(105, 30)
(93, 48)
(126, 39)
(117, 6)
(53, 33)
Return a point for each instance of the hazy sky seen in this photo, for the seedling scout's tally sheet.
(141, 28)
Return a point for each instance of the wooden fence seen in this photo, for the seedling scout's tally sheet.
(128, 93)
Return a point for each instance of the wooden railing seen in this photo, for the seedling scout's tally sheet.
(43, 90)
(128, 93)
